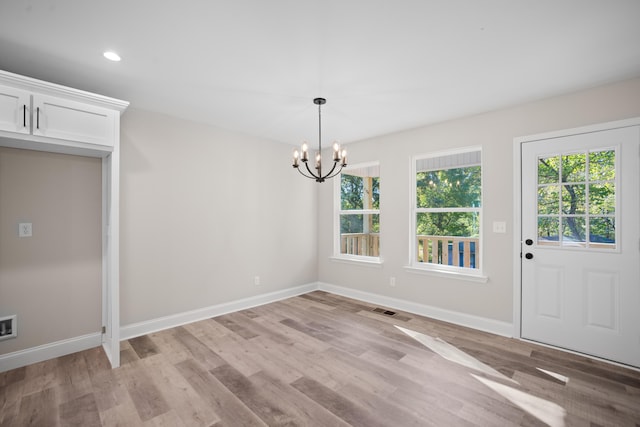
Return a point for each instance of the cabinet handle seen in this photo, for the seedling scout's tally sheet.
(24, 115)
(38, 118)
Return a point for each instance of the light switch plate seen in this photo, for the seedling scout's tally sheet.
(499, 227)
(25, 229)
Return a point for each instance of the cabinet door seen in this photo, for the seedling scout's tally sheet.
(15, 115)
(73, 121)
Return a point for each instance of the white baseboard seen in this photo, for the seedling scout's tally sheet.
(476, 322)
(166, 322)
(48, 351)
(21, 358)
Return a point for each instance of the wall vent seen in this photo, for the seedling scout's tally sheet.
(383, 311)
(8, 327)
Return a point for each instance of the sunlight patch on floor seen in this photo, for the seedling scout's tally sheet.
(550, 413)
(554, 375)
(453, 354)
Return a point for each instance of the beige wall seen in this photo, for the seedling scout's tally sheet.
(203, 211)
(493, 131)
(52, 281)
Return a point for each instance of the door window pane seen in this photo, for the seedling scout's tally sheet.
(573, 167)
(548, 171)
(548, 230)
(603, 231)
(602, 199)
(573, 199)
(548, 200)
(602, 165)
(573, 231)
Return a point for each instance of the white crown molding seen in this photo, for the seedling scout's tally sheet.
(31, 84)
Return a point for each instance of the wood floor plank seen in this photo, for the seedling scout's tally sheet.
(321, 359)
(186, 404)
(225, 404)
(238, 352)
(273, 413)
(199, 351)
(123, 415)
(168, 419)
(81, 412)
(40, 376)
(334, 402)
(169, 347)
(39, 409)
(228, 322)
(143, 346)
(146, 397)
(304, 410)
(109, 389)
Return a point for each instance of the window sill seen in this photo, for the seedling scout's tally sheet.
(368, 261)
(478, 278)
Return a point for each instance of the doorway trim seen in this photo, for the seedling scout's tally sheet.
(517, 205)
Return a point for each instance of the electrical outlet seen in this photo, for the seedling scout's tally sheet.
(256, 280)
(25, 229)
(392, 282)
(499, 227)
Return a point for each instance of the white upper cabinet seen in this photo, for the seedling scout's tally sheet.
(59, 118)
(44, 116)
(15, 110)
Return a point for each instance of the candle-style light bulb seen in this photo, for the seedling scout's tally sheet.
(318, 160)
(344, 157)
(305, 152)
(336, 151)
(296, 156)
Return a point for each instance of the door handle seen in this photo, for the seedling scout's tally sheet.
(24, 115)
(528, 255)
(528, 242)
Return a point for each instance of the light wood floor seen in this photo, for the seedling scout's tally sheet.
(321, 360)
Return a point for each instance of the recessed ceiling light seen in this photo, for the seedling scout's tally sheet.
(112, 56)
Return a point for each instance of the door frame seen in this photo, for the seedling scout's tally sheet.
(517, 204)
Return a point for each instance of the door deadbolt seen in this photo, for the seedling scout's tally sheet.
(528, 242)
(528, 255)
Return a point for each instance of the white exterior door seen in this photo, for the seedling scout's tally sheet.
(581, 243)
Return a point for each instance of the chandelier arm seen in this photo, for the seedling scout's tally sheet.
(336, 172)
(311, 174)
(328, 175)
(305, 175)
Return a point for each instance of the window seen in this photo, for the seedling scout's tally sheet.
(447, 209)
(358, 212)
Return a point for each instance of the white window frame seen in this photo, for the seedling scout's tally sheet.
(472, 274)
(337, 203)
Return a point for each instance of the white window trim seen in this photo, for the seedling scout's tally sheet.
(413, 266)
(337, 211)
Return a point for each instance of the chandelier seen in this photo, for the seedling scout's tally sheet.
(339, 157)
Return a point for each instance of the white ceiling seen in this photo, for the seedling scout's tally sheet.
(254, 66)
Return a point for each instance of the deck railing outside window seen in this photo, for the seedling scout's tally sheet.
(448, 250)
(360, 244)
